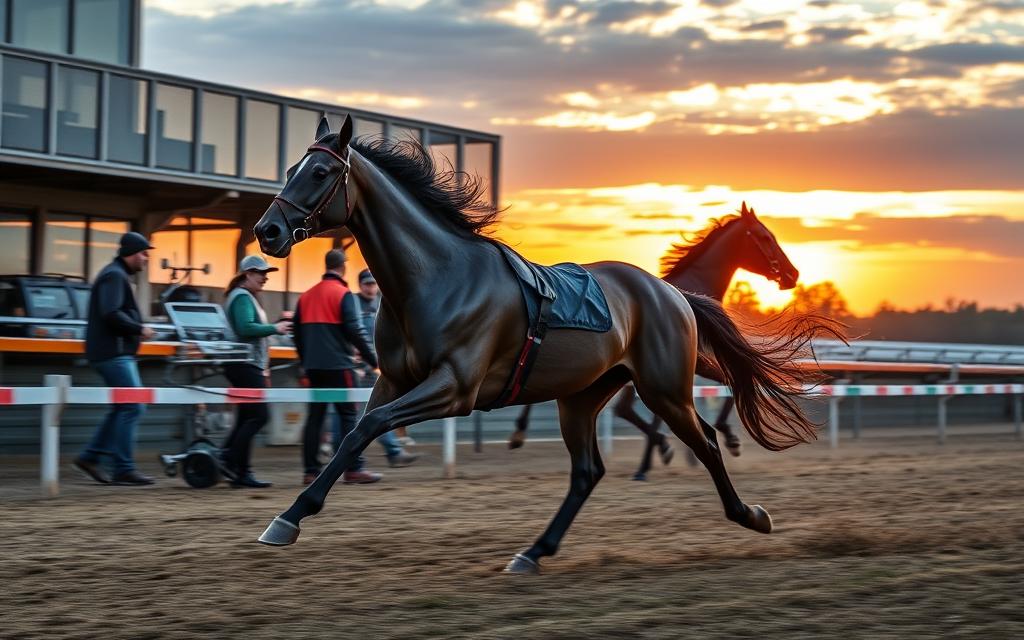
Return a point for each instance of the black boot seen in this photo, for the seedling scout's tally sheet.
(246, 479)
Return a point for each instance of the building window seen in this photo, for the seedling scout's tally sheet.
(300, 130)
(174, 127)
(104, 241)
(195, 242)
(219, 153)
(126, 120)
(64, 245)
(103, 30)
(24, 104)
(262, 131)
(40, 24)
(77, 245)
(77, 111)
(15, 240)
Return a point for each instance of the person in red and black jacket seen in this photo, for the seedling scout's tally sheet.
(328, 330)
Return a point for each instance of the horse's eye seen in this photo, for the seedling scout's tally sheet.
(319, 173)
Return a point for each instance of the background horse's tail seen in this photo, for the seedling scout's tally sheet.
(762, 373)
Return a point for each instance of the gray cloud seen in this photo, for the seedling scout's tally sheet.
(970, 53)
(992, 234)
(766, 25)
(619, 12)
(834, 34)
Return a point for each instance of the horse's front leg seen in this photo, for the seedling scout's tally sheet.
(440, 395)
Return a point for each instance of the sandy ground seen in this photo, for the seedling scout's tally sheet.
(888, 537)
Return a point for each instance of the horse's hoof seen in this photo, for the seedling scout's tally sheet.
(758, 519)
(733, 444)
(666, 455)
(516, 440)
(280, 533)
(520, 565)
(640, 476)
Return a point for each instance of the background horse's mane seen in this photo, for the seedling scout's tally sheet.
(695, 244)
(457, 197)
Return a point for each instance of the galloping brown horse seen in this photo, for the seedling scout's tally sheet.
(452, 324)
(706, 265)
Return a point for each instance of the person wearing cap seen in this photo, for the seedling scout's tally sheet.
(249, 322)
(112, 336)
(369, 304)
(328, 330)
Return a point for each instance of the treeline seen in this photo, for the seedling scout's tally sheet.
(955, 321)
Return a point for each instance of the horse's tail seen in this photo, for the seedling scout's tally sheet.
(764, 377)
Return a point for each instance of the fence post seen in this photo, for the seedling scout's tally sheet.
(606, 424)
(478, 431)
(49, 436)
(449, 448)
(954, 377)
(833, 422)
(1017, 416)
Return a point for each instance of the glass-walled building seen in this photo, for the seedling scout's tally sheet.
(92, 146)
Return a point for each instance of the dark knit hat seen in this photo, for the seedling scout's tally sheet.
(132, 243)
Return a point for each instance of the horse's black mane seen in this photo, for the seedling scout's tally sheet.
(457, 196)
(696, 244)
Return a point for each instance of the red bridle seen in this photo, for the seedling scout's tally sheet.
(311, 222)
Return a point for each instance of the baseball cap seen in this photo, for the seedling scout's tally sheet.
(366, 277)
(255, 263)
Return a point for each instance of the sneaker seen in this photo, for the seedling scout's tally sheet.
(403, 459)
(132, 478)
(91, 470)
(406, 441)
(360, 477)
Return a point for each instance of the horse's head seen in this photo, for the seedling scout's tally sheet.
(315, 197)
(763, 255)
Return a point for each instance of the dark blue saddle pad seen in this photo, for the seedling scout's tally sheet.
(577, 300)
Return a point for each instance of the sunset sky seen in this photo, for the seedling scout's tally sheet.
(883, 142)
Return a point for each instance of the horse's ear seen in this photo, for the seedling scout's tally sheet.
(323, 128)
(345, 135)
(745, 212)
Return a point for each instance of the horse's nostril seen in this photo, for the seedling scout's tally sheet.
(271, 231)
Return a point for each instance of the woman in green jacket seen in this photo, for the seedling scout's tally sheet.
(249, 322)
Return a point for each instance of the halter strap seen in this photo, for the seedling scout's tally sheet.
(311, 220)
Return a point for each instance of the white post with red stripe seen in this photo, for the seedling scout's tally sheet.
(49, 473)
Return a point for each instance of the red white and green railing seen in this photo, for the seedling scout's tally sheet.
(57, 392)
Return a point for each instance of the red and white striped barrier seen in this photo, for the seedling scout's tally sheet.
(58, 392)
(195, 395)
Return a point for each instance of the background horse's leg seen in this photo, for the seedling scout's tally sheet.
(732, 440)
(518, 437)
(681, 416)
(624, 409)
(438, 396)
(577, 415)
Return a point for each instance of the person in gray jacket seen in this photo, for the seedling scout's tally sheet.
(112, 338)
(249, 322)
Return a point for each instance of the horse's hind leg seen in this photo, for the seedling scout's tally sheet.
(678, 412)
(624, 409)
(732, 441)
(518, 437)
(577, 415)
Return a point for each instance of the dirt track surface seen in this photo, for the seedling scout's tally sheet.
(891, 537)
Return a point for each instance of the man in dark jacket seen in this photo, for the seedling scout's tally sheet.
(328, 331)
(111, 341)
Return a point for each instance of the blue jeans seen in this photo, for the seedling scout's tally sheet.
(116, 435)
